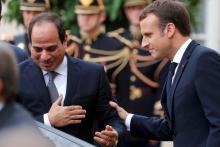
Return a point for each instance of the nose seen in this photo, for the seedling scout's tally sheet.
(144, 42)
(45, 55)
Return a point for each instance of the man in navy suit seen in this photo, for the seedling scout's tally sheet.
(82, 87)
(191, 102)
(16, 124)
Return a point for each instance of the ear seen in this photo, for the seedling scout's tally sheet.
(102, 17)
(170, 30)
(65, 41)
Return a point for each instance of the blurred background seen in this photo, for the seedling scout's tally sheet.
(205, 21)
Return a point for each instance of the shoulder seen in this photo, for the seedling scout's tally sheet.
(74, 38)
(205, 59)
(122, 32)
(25, 64)
(73, 42)
(85, 65)
(122, 36)
(20, 54)
(18, 115)
(204, 52)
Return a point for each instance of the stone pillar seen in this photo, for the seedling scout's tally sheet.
(212, 24)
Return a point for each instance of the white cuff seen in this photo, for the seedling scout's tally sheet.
(46, 120)
(128, 121)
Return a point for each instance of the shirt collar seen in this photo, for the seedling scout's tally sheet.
(178, 56)
(61, 69)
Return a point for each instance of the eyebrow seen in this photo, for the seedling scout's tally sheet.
(49, 48)
(147, 34)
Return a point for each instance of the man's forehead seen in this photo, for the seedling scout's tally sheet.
(44, 27)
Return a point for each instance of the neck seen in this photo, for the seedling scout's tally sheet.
(134, 29)
(92, 35)
(177, 45)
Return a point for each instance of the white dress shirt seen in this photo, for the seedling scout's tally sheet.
(177, 58)
(179, 54)
(60, 81)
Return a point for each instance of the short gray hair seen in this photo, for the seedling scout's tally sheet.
(8, 71)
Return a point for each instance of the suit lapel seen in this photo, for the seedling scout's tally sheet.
(73, 76)
(180, 70)
(35, 76)
(164, 104)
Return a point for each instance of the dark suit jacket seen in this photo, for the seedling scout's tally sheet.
(19, 53)
(13, 116)
(195, 94)
(86, 86)
(22, 39)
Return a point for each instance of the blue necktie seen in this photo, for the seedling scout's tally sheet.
(52, 87)
(169, 84)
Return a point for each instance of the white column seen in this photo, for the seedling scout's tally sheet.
(212, 24)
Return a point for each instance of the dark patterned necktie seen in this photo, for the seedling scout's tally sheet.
(52, 87)
(169, 84)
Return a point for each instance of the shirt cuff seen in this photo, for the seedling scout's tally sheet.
(46, 120)
(128, 121)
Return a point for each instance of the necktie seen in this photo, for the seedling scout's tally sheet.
(169, 84)
(52, 87)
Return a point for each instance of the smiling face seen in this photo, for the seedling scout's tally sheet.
(89, 23)
(133, 13)
(47, 50)
(155, 40)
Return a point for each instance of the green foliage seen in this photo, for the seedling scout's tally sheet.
(114, 8)
(13, 12)
(192, 6)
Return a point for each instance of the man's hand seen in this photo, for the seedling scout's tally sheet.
(64, 115)
(121, 112)
(107, 137)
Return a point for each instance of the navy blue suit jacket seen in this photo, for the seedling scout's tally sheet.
(14, 116)
(19, 53)
(22, 41)
(195, 94)
(87, 86)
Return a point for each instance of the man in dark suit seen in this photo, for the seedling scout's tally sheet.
(20, 55)
(15, 122)
(82, 87)
(191, 95)
(8, 90)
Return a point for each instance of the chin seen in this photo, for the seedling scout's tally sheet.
(46, 68)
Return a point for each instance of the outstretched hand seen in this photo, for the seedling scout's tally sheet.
(121, 112)
(107, 137)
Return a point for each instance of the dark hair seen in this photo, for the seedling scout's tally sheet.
(169, 11)
(8, 71)
(48, 17)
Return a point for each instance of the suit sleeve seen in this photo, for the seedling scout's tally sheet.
(207, 85)
(151, 128)
(106, 115)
